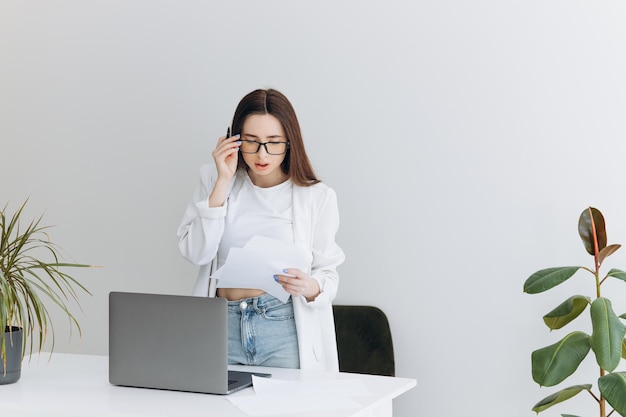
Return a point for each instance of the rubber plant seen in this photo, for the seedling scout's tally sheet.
(553, 364)
(31, 272)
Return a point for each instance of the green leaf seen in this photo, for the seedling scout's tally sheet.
(553, 364)
(624, 349)
(608, 334)
(558, 397)
(591, 219)
(566, 311)
(617, 273)
(548, 278)
(32, 275)
(613, 388)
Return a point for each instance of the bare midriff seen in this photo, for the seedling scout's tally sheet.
(234, 294)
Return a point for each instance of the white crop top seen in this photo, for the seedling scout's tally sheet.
(254, 211)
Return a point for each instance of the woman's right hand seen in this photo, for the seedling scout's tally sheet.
(226, 155)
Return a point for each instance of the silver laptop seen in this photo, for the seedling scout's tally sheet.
(171, 342)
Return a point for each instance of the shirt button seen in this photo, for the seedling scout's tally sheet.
(243, 305)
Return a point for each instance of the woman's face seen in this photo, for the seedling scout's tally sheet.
(264, 168)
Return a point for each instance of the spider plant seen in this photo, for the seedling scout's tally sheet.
(31, 274)
(553, 364)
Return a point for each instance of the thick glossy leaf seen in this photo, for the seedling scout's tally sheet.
(613, 388)
(553, 364)
(558, 397)
(591, 219)
(624, 349)
(548, 278)
(566, 311)
(608, 334)
(608, 251)
(617, 273)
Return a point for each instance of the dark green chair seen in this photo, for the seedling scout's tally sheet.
(364, 341)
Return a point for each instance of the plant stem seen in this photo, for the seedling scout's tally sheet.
(594, 396)
(596, 256)
(602, 400)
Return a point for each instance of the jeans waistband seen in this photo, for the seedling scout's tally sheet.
(263, 301)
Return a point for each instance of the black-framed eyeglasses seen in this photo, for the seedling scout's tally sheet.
(272, 148)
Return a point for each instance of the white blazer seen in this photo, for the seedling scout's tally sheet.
(315, 224)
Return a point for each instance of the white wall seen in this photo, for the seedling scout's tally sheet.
(463, 140)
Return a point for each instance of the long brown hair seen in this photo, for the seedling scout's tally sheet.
(296, 163)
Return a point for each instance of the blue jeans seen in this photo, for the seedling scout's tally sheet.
(262, 331)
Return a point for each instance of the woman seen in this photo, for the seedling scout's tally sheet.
(262, 183)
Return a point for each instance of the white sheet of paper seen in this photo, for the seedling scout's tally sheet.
(272, 396)
(255, 265)
(329, 388)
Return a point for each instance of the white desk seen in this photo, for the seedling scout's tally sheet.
(77, 385)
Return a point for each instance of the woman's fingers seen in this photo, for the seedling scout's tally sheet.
(296, 282)
(226, 146)
(225, 155)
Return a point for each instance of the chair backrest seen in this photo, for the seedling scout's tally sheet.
(364, 341)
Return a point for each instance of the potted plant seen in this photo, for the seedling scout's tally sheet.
(31, 273)
(553, 364)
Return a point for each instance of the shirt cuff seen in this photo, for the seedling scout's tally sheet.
(207, 212)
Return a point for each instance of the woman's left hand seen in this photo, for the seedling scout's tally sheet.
(297, 282)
